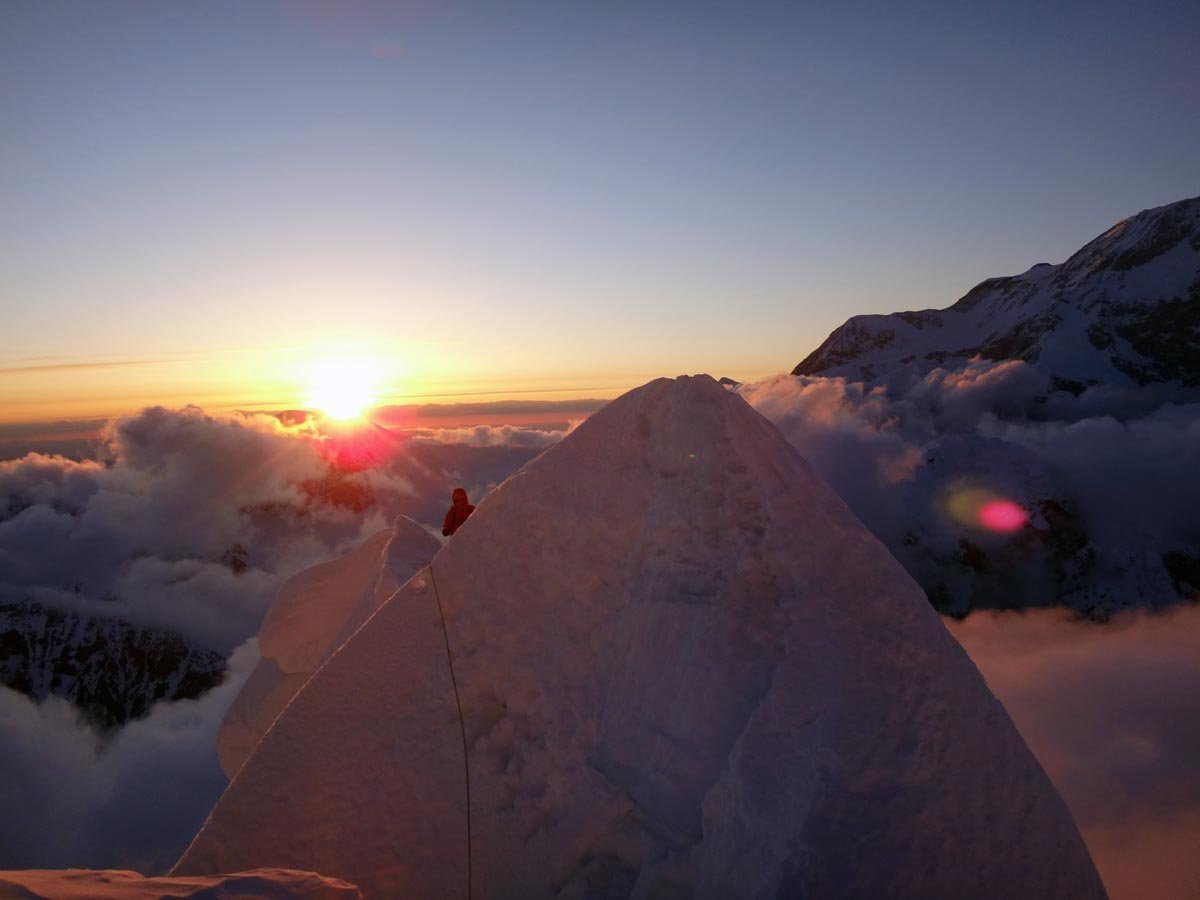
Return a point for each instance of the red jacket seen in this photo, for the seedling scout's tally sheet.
(455, 518)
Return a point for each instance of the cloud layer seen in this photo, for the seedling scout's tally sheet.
(190, 521)
(1112, 712)
(150, 533)
(74, 800)
(1118, 463)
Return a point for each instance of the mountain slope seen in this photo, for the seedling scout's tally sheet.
(112, 670)
(313, 614)
(685, 669)
(1125, 308)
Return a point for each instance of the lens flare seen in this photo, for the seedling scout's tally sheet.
(1002, 516)
(981, 508)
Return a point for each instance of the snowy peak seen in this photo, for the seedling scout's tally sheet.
(1138, 240)
(1123, 309)
(684, 669)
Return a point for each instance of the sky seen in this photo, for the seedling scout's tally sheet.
(205, 203)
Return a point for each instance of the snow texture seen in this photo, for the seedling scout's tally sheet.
(686, 670)
(101, 884)
(314, 612)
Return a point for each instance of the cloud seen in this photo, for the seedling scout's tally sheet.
(150, 533)
(63, 429)
(522, 413)
(78, 366)
(495, 435)
(896, 450)
(74, 800)
(189, 521)
(1112, 712)
(1126, 475)
(853, 437)
(911, 406)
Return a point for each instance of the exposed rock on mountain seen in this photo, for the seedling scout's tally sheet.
(111, 670)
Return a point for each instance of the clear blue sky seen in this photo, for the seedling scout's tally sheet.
(554, 193)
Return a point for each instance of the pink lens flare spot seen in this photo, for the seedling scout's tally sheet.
(1002, 516)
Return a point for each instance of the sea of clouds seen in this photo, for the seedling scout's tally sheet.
(74, 799)
(1112, 712)
(145, 529)
(1125, 456)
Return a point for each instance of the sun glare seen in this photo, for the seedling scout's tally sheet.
(343, 388)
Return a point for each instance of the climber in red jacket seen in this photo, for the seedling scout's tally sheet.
(458, 513)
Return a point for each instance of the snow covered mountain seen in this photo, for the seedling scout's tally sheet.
(1125, 308)
(662, 660)
(113, 671)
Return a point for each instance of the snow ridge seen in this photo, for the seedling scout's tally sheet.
(313, 614)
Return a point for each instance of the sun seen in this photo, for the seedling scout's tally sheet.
(343, 388)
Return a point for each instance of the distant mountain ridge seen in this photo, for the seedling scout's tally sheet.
(112, 670)
(1125, 308)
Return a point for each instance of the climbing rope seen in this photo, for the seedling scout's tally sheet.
(461, 726)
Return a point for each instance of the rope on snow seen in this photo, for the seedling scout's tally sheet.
(461, 726)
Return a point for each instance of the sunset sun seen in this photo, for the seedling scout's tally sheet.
(343, 388)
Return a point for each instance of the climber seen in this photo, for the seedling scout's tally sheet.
(458, 513)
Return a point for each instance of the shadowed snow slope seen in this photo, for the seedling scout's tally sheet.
(315, 611)
(686, 671)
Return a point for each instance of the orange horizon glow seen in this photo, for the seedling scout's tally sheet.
(270, 379)
(105, 408)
